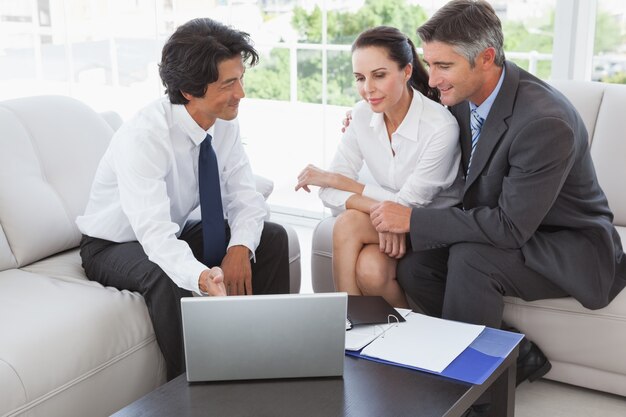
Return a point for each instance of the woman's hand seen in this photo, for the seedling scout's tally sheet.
(312, 175)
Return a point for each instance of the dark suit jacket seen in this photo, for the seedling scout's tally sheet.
(533, 187)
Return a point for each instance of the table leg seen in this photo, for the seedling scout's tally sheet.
(503, 393)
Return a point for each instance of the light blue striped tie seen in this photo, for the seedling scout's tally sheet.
(476, 124)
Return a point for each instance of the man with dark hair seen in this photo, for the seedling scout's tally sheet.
(534, 222)
(179, 152)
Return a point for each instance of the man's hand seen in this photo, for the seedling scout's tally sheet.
(346, 121)
(237, 271)
(211, 281)
(312, 175)
(392, 244)
(391, 217)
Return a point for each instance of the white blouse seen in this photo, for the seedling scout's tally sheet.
(419, 167)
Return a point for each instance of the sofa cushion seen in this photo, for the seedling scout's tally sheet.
(66, 266)
(63, 334)
(557, 325)
(41, 196)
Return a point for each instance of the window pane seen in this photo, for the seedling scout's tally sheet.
(528, 33)
(307, 22)
(135, 48)
(105, 52)
(341, 85)
(609, 61)
(88, 59)
(269, 79)
(345, 22)
(309, 76)
(32, 53)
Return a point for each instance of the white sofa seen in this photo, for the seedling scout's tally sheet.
(68, 346)
(586, 347)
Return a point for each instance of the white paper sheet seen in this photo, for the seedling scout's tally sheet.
(423, 342)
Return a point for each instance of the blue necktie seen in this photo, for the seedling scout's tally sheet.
(476, 124)
(213, 227)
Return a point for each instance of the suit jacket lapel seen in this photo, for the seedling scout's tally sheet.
(495, 125)
(462, 114)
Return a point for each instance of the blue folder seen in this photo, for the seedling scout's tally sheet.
(476, 362)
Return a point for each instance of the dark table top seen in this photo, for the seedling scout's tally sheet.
(367, 389)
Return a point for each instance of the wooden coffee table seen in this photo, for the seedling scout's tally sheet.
(366, 389)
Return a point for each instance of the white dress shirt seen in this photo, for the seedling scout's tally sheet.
(419, 167)
(147, 185)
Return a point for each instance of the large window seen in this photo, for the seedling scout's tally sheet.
(306, 61)
(105, 52)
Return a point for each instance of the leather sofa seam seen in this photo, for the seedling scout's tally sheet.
(568, 312)
(35, 402)
(322, 253)
(17, 375)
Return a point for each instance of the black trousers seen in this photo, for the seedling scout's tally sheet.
(125, 266)
(466, 282)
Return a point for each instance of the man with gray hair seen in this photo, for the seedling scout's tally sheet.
(534, 222)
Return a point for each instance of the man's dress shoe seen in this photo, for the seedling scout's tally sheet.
(532, 364)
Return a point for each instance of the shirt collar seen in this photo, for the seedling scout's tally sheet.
(182, 117)
(484, 109)
(410, 123)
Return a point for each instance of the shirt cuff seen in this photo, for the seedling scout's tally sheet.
(194, 272)
(243, 239)
(335, 199)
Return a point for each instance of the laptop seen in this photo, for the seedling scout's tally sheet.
(264, 336)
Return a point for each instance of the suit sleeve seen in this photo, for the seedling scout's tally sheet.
(540, 157)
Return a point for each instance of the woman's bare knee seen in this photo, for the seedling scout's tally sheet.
(373, 270)
(354, 226)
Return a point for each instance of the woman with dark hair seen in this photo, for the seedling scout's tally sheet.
(409, 143)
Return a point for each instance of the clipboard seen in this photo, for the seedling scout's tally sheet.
(370, 309)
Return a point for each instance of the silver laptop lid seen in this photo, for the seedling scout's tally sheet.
(264, 336)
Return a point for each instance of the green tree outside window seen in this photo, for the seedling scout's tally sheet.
(270, 79)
